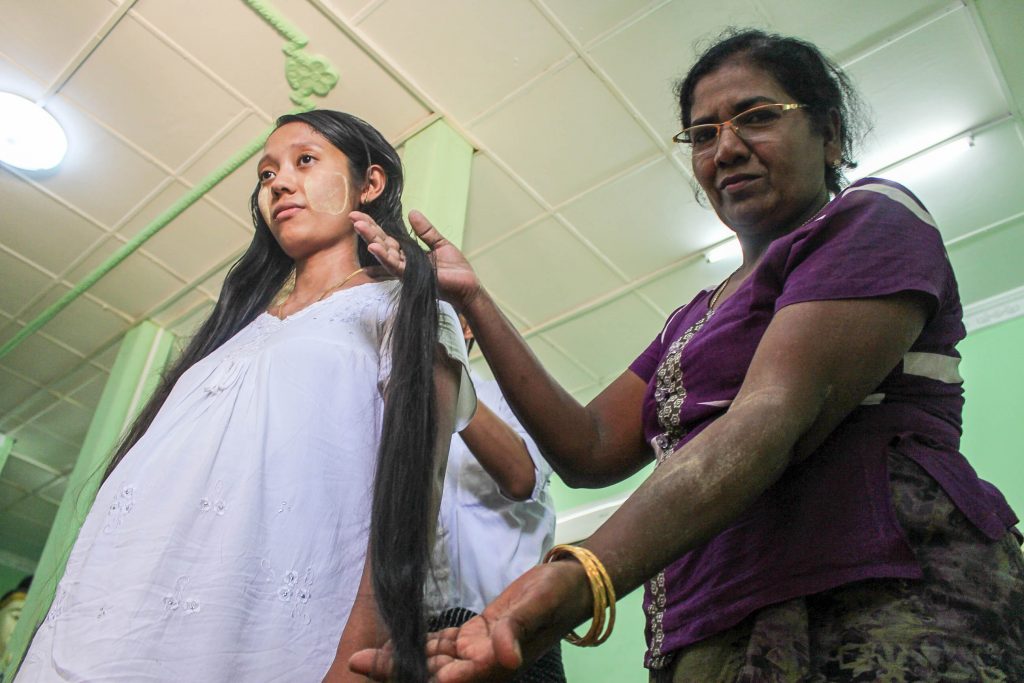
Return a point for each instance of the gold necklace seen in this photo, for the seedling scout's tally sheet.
(717, 294)
(326, 292)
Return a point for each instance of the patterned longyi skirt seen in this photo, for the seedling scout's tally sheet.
(964, 621)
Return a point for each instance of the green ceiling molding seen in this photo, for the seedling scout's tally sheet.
(307, 75)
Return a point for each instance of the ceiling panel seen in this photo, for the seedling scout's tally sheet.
(524, 270)
(232, 193)
(22, 282)
(989, 173)
(252, 42)
(46, 448)
(66, 24)
(83, 326)
(17, 80)
(66, 421)
(934, 83)
(990, 264)
(159, 101)
(41, 359)
(134, 286)
(589, 20)
(647, 58)
(646, 219)
(607, 356)
(842, 28)
(1001, 21)
(564, 134)
(197, 240)
(496, 206)
(41, 229)
(484, 59)
(25, 475)
(101, 175)
(569, 371)
(14, 391)
(365, 88)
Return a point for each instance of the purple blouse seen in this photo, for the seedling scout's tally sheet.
(829, 519)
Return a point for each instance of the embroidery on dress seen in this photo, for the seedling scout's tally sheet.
(214, 502)
(120, 507)
(669, 396)
(294, 589)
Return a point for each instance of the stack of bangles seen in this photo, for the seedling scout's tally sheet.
(600, 586)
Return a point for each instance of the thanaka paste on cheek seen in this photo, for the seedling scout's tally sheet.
(327, 194)
(263, 201)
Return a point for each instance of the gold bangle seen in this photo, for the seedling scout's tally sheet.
(601, 588)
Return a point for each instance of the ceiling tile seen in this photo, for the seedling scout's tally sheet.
(565, 368)
(925, 87)
(33, 404)
(497, 204)
(22, 537)
(1002, 21)
(100, 175)
(151, 94)
(45, 448)
(65, 420)
(34, 508)
(646, 220)
(68, 26)
(989, 173)
(54, 491)
(588, 20)
(488, 49)
(646, 59)
(26, 475)
(188, 325)
(89, 394)
(22, 283)
(989, 264)
(14, 79)
(83, 325)
(565, 134)
(41, 359)
(135, 286)
(39, 228)
(181, 308)
(542, 271)
(365, 88)
(233, 191)
(9, 493)
(842, 28)
(196, 241)
(679, 287)
(605, 355)
(13, 391)
(254, 64)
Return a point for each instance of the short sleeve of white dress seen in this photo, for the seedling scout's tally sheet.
(451, 340)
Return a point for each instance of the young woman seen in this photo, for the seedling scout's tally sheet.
(279, 490)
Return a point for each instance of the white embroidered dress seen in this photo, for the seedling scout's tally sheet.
(228, 544)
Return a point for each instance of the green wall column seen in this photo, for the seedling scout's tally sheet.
(142, 356)
(437, 163)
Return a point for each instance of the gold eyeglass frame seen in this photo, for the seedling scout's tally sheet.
(682, 137)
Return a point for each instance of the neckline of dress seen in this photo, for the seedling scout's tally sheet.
(320, 302)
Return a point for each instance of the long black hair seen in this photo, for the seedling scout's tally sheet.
(401, 521)
(803, 71)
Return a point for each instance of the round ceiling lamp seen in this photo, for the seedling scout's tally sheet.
(30, 138)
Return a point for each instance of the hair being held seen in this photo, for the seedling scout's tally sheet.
(401, 521)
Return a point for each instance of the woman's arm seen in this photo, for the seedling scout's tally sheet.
(816, 362)
(501, 452)
(593, 445)
(364, 628)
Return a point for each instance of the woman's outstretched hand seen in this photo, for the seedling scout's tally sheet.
(456, 279)
(529, 617)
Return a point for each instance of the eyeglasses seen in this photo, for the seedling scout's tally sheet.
(753, 125)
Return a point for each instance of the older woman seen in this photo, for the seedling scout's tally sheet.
(810, 516)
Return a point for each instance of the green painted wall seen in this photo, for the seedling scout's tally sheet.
(993, 441)
(993, 370)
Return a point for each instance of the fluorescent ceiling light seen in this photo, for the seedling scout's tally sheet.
(728, 250)
(30, 138)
